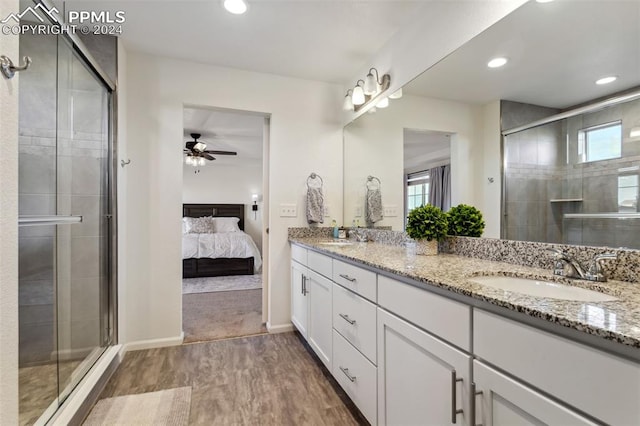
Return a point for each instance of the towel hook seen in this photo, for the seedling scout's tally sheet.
(124, 163)
(8, 68)
(313, 176)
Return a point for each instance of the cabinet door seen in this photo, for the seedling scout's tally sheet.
(506, 402)
(421, 380)
(320, 320)
(299, 303)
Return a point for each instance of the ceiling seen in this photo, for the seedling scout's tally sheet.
(422, 147)
(556, 52)
(227, 131)
(318, 40)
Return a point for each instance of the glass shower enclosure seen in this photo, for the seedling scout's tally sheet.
(65, 226)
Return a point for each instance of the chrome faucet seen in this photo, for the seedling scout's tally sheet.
(567, 266)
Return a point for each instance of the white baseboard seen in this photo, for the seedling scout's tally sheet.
(154, 343)
(283, 328)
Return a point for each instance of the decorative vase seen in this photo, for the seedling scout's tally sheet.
(426, 247)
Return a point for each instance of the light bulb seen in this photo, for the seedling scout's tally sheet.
(348, 104)
(358, 96)
(237, 7)
(187, 161)
(383, 103)
(202, 161)
(370, 85)
(397, 94)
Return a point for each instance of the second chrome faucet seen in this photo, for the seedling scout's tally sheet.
(567, 266)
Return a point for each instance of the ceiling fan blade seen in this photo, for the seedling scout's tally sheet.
(207, 156)
(210, 151)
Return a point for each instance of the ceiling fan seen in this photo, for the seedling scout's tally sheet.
(197, 151)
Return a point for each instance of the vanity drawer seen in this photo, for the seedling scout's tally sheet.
(355, 319)
(319, 263)
(299, 254)
(445, 318)
(602, 385)
(356, 375)
(355, 279)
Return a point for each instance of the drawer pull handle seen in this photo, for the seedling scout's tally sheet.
(474, 393)
(347, 277)
(347, 319)
(346, 373)
(454, 403)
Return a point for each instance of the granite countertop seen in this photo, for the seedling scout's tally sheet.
(617, 321)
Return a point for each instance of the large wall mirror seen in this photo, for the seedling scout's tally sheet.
(573, 181)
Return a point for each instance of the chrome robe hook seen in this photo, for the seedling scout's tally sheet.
(8, 68)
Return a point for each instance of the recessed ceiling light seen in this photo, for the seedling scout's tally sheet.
(607, 80)
(497, 62)
(544, 1)
(237, 7)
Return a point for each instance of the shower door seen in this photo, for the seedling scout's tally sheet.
(65, 166)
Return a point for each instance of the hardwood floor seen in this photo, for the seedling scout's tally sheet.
(268, 380)
(222, 314)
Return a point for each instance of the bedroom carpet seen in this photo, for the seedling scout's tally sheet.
(221, 315)
(211, 284)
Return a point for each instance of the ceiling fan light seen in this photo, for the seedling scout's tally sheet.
(202, 161)
(200, 147)
(187, 161)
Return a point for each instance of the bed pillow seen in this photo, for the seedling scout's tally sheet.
(199, 225)
(226, 224)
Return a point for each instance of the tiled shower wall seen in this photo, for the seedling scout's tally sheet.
(542, 165)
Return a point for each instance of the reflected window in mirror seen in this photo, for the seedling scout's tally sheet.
(628, 193)
(417, 190)
(601, 142)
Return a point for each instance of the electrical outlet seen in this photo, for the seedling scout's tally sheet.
(326, 212)
(390, 211)
(288, 210)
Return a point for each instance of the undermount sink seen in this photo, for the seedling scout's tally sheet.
(337, 243)
(539, 288)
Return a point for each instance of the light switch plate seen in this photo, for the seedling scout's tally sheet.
(326, 210)
(288, 210)
(358, 211)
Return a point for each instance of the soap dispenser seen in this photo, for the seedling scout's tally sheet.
(334, 225)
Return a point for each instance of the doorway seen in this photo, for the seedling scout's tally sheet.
(223, 241)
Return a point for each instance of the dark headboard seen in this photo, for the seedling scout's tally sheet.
(215, 210)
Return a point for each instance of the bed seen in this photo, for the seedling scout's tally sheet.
(218, 254)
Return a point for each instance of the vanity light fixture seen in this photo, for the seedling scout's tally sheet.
(366, 92)
(606, 80)
(237, 7)
(348, 103)
(372, 110)
(397, 94)
(358, 95)
(497, 62)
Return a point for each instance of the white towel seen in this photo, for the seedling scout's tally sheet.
(315, 205)
(374, 206)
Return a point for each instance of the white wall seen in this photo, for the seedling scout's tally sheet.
(8, 229)
(227, 185)
(374, 146)
(490, 192)
(439, 29)
(306, 135)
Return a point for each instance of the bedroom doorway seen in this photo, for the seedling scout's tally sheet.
(223, 197)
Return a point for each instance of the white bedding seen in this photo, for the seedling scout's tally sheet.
(223, 244)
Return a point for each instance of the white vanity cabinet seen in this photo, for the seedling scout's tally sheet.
(582, 378)
(421, 379)
(503, 401)
(311, 295)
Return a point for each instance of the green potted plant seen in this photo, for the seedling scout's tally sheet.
(465, 221)
(427, 225)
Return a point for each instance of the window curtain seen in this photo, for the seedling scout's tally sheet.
(440, 187)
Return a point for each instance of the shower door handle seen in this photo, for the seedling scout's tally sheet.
(48, 220)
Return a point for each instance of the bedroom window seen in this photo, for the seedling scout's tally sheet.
(602, 142)
(417, 189)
